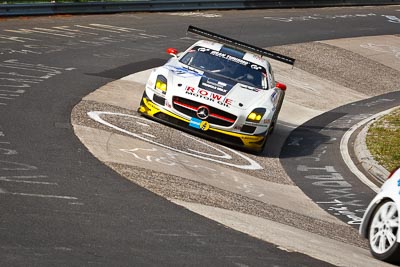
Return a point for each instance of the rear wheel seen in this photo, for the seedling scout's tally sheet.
(384, 231)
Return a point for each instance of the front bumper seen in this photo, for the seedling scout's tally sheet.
(201, 128)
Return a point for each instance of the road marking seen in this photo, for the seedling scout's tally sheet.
(26, 182)
(12, 180)
(142, 124)
(392, 19)
(195, 14)
(15, 166)
(25, 176)
(320, 17)
(38, 195)
(253, 165)
(97, 29)
(149, 135)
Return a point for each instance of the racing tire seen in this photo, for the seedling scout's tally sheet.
(383, 232)
(262, 148)
(275, 118)
(269, 132)
(271, 127)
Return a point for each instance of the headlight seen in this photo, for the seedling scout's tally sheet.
(256, 115)
(161, 83)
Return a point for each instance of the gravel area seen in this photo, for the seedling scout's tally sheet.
(343, 67)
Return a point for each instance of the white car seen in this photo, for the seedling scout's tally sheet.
(381, 221)
(222, 89)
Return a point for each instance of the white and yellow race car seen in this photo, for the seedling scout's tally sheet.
(220, 88)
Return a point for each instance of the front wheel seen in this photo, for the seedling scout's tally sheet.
(384, 231)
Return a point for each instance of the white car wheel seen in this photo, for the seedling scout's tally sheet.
(383, 232)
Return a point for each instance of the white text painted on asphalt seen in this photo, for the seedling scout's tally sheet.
(217, 153)
(15, 172)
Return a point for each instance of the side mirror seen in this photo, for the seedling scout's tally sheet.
(172, 52)
(281, 86)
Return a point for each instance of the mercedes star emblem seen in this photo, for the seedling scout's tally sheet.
(203, 112)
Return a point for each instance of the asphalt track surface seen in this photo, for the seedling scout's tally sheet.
(60, 205)
(311, 156)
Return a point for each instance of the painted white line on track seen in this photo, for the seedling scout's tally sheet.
(37, 195)
(24, 176)
(142, 124)
(25, 182)
(344, 151)
(149, 135)
(252, 164)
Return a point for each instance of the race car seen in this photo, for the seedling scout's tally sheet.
(381, 223)
(219, 88)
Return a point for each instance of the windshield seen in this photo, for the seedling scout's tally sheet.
(240, 70)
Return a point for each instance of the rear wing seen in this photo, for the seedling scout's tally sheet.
(239, 44)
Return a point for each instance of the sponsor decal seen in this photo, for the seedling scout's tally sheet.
(150, 105)
(195, 123)
(255, 67)
(258, 124)
(199, 124)
(183, 72)
(204, 125)
(203, 49)
(398, 184)
(230, 58)
(219, 85)
(273, 96)
(209, 96)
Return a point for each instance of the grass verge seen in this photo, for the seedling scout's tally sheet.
(383, 140)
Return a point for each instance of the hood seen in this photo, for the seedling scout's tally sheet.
(216, 90)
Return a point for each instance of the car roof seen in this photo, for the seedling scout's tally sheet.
(251, 57)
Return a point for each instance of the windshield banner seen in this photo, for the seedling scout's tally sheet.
(216, 84)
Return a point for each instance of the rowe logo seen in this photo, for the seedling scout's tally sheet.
(210, 96)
